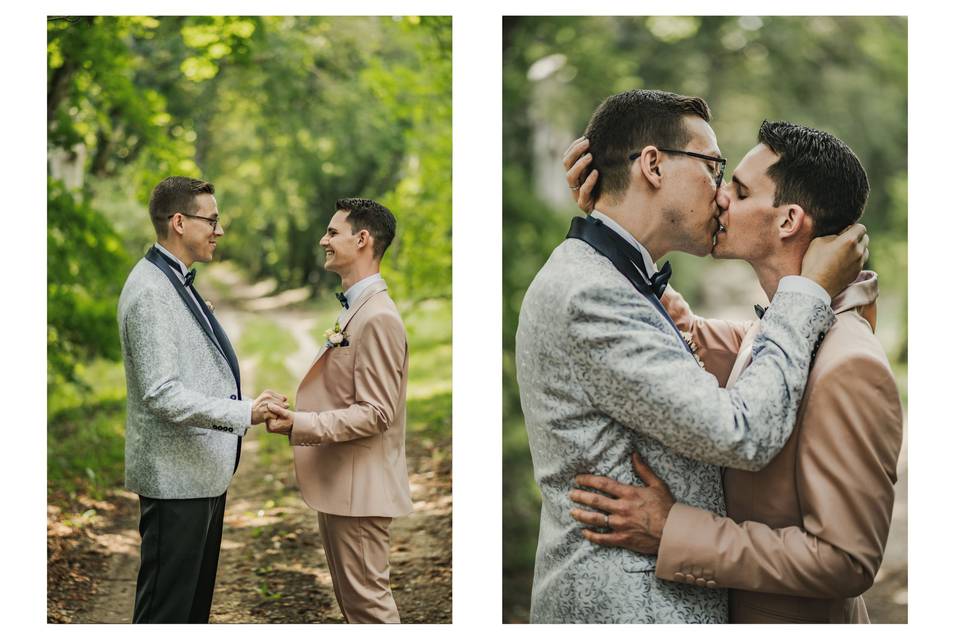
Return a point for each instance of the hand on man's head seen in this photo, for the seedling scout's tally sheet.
(576, 160)
(835, 261)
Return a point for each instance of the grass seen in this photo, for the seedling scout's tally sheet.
(85, 430)
(269, 344)
(85, 427)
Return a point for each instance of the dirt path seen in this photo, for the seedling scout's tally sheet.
(272, 566)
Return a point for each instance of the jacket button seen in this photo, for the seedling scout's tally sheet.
(230, 429)
(233, 396)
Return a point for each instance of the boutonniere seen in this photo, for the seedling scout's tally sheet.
(694, 347)
(336, 337)
(209, 305)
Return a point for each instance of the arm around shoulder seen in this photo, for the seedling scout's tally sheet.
(634, 368)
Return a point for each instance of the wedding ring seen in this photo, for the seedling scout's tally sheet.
(576, 188)
(606, 521)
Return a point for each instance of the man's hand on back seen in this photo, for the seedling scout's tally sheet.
(635, 515)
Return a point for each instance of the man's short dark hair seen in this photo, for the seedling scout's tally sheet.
(372, 216)
(175, 194)
(627, 122)
(817, 171)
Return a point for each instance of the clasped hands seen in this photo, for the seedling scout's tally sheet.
(271, 407)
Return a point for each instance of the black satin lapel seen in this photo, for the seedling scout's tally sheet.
(225, 346)
(154, 256)
(615, 249)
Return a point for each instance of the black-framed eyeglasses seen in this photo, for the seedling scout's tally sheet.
(721, 163)
(213, 222)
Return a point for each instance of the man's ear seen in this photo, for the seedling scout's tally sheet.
(363, 238)
(176, 223)
(793, 220)
(648, 165)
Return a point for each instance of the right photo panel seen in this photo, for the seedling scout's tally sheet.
(705, 319)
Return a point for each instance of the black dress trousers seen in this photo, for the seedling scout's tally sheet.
(179, 551)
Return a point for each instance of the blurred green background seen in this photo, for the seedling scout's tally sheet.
(284, 115)
(845, 75)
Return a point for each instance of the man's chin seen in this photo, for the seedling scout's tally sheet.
(721, 252)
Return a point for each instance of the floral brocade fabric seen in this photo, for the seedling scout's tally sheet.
(602, 374)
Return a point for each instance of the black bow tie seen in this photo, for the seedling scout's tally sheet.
(658, 281)
(343, 300)
(757, 309)
(187, 279)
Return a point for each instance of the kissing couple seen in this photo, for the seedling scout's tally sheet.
(696, 470)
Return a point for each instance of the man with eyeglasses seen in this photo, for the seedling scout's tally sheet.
(801, 539)
(603, 371)
(185, 414)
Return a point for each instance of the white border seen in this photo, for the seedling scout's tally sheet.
(477, 276)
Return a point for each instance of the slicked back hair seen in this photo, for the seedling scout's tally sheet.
(372, 216)
(175, 194)
(817, 171)
(627, 122)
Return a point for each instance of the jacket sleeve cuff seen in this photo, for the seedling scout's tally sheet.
(675, 543)
(242, 421)
(806, 286)
(302, 433)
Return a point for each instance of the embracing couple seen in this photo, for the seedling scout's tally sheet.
(186, 417)
(697, 470)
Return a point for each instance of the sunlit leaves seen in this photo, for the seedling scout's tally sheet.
(86, 265)
(673, 28)
(198, 69)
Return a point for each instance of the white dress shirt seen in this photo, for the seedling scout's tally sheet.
(648, 264)
(182, 274)
(353, 293)
(795, 284)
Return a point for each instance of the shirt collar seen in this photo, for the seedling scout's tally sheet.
(183, 268)
(648, 264)
(353, 293)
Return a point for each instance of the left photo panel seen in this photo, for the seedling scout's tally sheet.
(249, 319)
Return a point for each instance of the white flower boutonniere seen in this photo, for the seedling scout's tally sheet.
(694, 347)
(336, 337)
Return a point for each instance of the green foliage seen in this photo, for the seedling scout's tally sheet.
(86, 267)
(284, 114)
(844, 75)
(85, 431)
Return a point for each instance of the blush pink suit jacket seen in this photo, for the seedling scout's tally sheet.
(804, 537)
(348, 429)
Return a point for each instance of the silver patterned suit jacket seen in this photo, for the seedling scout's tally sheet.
(601, 374)
(183, 418)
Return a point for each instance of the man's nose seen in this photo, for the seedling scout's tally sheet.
(219, 230)
(723, 200)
